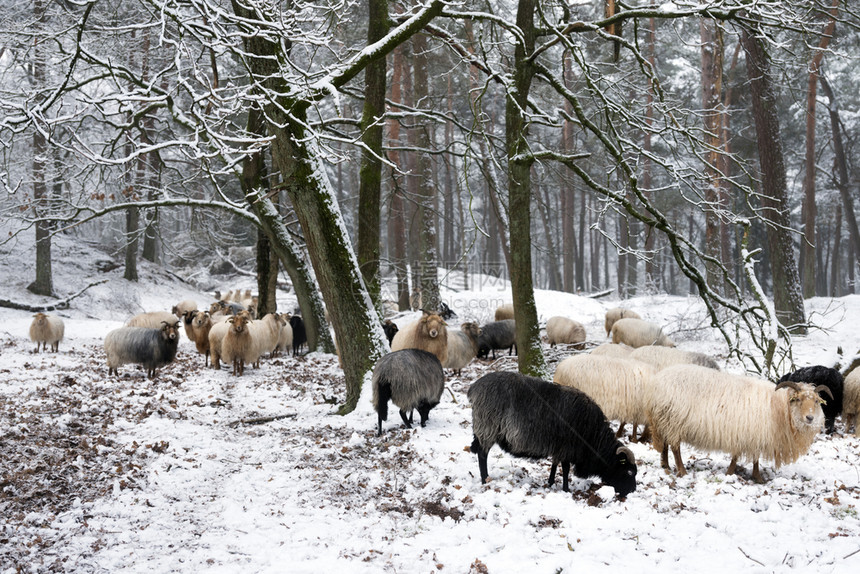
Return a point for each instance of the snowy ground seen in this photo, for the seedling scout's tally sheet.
(124, 474)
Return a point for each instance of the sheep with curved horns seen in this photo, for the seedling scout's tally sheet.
(47, 329)
(187, 319)
(504, 312)
(830, 378)
(497, 335)
(662, 357)
(429, 333)
(616, 313)
(532, 418)
(462, 346)
(743, 416)
(612, 350)
(411, 379)
(238, 346)
(851, 401)
(151, 348)
(638, 333)
(561, 330)
(619, 385)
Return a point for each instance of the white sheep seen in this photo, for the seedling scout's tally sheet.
(216, 337)
(638, 333)
(183, 307)
(265, 334)
(151, 320)
(462, 346)
(46, 329)
(612, 350)
(616, 313)
(618, 385)
(851, 401)
(743, 416)
(285, 339)
(561, 330)
(662, 357)
(238, 346)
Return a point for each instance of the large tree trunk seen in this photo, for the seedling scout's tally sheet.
(568, 238)
(397, 231)
(531, 359)
(267, 276)
(44, 283)
(370, 178)
(788, 299)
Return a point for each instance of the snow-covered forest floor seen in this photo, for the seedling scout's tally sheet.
(126, 474)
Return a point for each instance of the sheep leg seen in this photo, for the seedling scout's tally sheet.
(482, 458)
(679, 464)
(620, 431)
(379, 424)
(756, 474)
(646, 433)
(733, 466)
(552, 470)
(565, 471)
(664, 457)
(406, 420)
(424, 411)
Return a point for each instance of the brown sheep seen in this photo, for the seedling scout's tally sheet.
(200, 328)
(429, 333)
(238, 346)
(565, 331)
(504, 312)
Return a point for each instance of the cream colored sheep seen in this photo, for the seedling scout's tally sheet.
(46, 329)
(638, 333)
(265, 334)
(662, 357)
(851, 401)
(616, 313)
(462, 346)
(183, 307)
(504, 312)
(152, 320)
(428, 334)
(216, 337)
(238, 346)
(612, 350)
(285, 339)
(619, 386)
(561, 330)
(743, 416)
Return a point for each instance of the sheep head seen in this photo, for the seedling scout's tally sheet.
(622, 473)
(804, 404)
(169, 331)
(431, 325)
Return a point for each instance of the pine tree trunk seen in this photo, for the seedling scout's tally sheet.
(788, 299)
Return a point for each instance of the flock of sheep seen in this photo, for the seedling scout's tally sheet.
(639, 378)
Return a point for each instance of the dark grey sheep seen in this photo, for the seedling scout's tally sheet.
(530, 417)
(151, 348)
(412, 379)
(497, 335)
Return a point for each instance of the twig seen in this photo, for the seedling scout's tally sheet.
(748, 556)
(453, 398)
(261, 420)
(64, 304)
(852, 554)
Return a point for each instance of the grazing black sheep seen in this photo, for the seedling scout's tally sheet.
(830, 378)
(497, 335)
(300, 337)
(412, 379)
(530, 417)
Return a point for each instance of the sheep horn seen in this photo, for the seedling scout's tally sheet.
(628, 453)
(788, 384)
(824, 389)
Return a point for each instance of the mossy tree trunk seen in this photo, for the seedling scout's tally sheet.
(530, 355)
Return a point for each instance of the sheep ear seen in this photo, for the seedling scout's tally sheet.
(627, 454)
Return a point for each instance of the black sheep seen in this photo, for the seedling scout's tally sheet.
(412, 379)
(300, 337)
(497, 335)
(830, 378)
(390, 329)
(530, 417)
